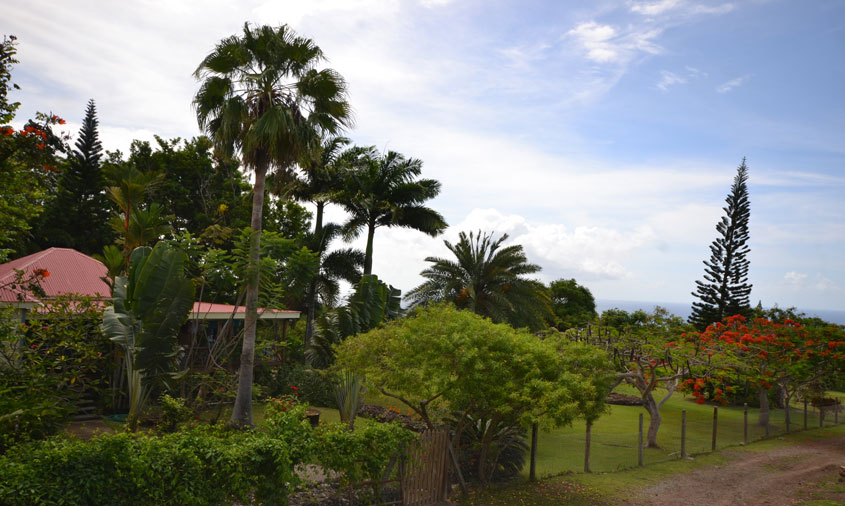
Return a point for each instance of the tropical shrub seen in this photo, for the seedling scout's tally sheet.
(315, 387)
(200, 466)
(173, 412)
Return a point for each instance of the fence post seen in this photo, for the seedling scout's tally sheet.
(745, 423)
(821, 415)
(684, 434)
(640, 443)
(532, 474)
(805, 413)
(836, 412)
(715, 419)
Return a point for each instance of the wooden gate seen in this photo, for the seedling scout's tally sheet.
(424, 474)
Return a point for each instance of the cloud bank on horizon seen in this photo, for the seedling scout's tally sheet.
(602, 136)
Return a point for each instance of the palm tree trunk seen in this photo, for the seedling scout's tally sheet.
(368, 255)
(312, 287)
(242, 410)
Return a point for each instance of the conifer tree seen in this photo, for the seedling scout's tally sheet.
(78, 216)
(725, 290)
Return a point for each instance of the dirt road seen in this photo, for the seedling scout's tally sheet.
(777, 477)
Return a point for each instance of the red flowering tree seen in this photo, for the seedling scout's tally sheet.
(29, 159)
(767, 355)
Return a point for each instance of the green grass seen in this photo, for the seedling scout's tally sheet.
(614, 435)
(605, 489)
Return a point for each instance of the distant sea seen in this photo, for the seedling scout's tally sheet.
(683, 309)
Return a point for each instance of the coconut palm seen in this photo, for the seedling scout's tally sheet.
(487, 279)
(263, 97)
(383, 191)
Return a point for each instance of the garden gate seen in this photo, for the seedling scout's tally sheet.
(424, 478)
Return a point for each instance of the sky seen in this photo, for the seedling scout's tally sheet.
(603, 136)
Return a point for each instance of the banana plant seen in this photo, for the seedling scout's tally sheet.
(149, 307)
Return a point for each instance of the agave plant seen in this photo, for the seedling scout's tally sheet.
(149, 307)
(349, 391)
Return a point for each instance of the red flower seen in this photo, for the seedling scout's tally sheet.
(41, 273)
(34, 346)
(61, 121)
(293, 388)
(40, 145)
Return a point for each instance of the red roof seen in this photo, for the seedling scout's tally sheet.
(70, 272)
(211, 311)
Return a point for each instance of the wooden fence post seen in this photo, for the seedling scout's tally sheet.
(805, 413)
(836, 412)
(715, 420)
(745, 423)
(821, 415)
(532, 474)
(640, 443)
(684, 434)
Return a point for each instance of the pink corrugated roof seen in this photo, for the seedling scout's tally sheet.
(70, 272)
(211, 311)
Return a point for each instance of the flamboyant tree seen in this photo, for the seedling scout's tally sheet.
(725, 290)
(767, 355)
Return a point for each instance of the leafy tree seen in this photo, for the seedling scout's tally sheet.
(647, 356)
(202, 191)
(383, 191)
(77, 217)
(263, 97)
(487, 279)
(573, 304)
(149, 307)
(443, 360)
(725, 290)
(29, 161)
(767, 354)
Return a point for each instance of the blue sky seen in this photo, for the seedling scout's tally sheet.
(603, 136)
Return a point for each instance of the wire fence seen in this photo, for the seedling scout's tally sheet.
(682, 433)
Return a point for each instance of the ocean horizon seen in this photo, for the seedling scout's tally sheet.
(683, 309)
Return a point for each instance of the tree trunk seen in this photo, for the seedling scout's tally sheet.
(242, 410)
(484, 473)
(587, 446)
(312, 287)
(368, 255)
(654, 421)
(764, 407)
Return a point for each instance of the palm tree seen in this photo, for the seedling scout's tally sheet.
(487, 279)
(320, 182)
(263, 97)
(382, 191)
(130, 189)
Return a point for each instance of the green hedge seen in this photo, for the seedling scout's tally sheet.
(195, 467)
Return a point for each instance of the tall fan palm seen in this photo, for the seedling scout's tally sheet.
(382, 191)
(263, 97)
(487, 279)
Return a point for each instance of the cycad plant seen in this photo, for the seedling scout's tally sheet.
(488, 279)
(263, 97)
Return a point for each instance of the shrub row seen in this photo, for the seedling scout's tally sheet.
(196, 466)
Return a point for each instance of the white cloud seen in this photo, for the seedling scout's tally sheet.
(795, 278)
(655, 8)
(596, 40)
(733, 83)
(668, 79)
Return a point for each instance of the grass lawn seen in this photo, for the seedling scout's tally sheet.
(599, 489)
(614, 438)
